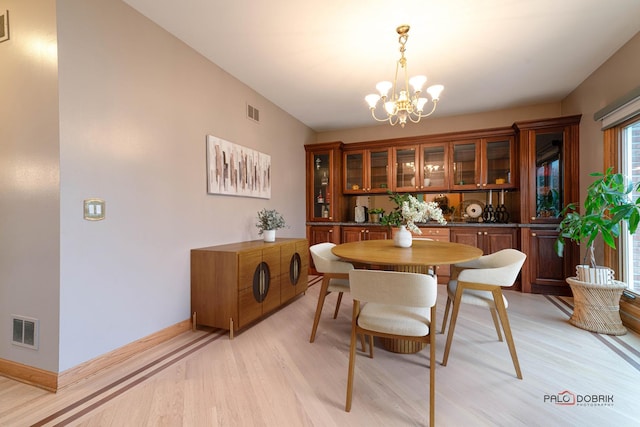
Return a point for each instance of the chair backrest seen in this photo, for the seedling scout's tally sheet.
(393, 288)
(499, 268)
(326, 262)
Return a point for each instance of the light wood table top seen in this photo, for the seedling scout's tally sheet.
(422, 252)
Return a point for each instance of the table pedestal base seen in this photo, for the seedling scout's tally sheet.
(402, 346)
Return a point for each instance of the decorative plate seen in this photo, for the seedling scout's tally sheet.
(473, 208)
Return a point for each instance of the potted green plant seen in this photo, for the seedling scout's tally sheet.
(607, 206)
(269, 220)
(375, 214)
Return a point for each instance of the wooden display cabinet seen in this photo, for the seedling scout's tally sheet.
(406, 175)
(544, 272)
(434, 165)
(324, 166)
(484, 163)
(549, 180)
(499, 163)
(489, 239)
(465, 165)
(549, 162)
(321, 234)
(421, 168)
(357, 233)
(367, 171)
(234, 285)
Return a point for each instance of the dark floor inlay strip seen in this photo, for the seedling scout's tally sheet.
(605, 339)
(120, 381)
(555, 302)
(132, 384)
(619, 352)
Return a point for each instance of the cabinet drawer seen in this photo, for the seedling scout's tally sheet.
(435, 232)
(441, 235)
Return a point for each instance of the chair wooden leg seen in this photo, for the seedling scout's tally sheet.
(446, 314)
(452, 323)
(371, 346)
(494, 315)
(432, 371)
(323, 294)
(352, 356)
(502, 312)
(335, 314)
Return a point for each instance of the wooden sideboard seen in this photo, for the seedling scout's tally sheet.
(235, 284)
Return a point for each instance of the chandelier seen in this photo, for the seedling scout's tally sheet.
(403, 104)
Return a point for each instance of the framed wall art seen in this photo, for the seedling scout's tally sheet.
(4, 26)
(235, 170)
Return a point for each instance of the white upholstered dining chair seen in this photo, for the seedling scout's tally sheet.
(479, 282)
(335, 278)
(395, 305)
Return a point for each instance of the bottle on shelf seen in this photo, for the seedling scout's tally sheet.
(320, 198)
(325, 179)
(325, 211)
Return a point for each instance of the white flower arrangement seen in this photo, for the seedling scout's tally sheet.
(410, 211)
(414, 210)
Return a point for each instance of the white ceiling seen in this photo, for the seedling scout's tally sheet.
(317, 60)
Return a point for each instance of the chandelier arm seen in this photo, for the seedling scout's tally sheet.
(435, 105)
(421, 115)
(373, 114)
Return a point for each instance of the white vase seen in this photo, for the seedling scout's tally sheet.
(269, 235)
(403, 237)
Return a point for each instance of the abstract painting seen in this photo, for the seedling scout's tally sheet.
(235, 170)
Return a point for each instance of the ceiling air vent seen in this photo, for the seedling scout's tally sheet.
(253, 113)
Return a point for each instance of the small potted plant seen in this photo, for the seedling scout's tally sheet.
(269, 220)
(375, 214)
(607, 206)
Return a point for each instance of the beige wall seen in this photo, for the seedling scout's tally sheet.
(618, 76)
(135, 106)
(29, 178)
(615, 78)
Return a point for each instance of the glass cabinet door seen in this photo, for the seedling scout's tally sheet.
(498, 163)
(466, 165)
(322, 186)
(434, 168)
(378, 171)
(549, 174)
(406, 171)
(354, 172)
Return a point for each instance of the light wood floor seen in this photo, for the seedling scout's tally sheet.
(270, 375)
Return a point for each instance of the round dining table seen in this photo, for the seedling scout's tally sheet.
(421, 257)
(422, 253)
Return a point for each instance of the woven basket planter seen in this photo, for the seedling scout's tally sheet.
(596, 307)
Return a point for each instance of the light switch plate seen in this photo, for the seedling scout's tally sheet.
(94, 209)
